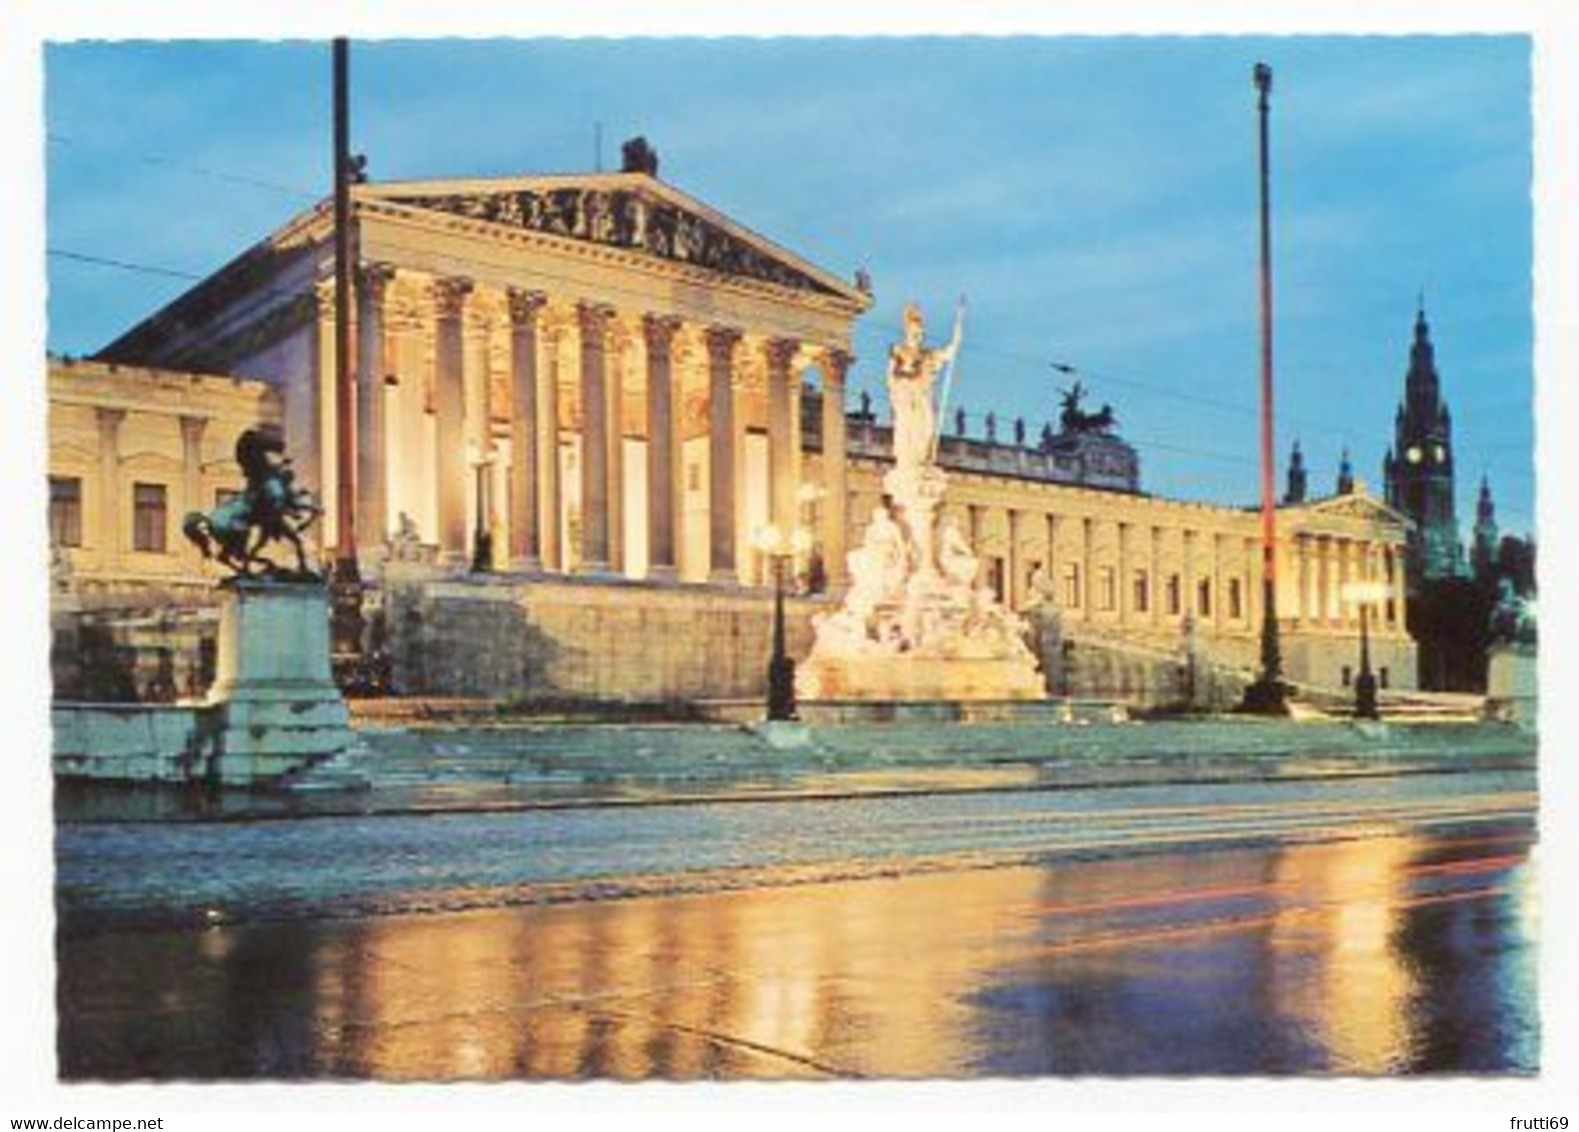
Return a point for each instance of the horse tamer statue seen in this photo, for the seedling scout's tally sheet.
(271, 509)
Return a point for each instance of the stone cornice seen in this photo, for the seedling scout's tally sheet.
(667, 270)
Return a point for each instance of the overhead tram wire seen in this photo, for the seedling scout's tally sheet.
(198, 170)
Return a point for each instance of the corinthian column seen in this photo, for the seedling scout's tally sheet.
(721, 342)
(594, 321)
(551, 513)
(781, 432)
(372, 462)
(835, 365)
(449, 395)
(664, 490)
(526, 544)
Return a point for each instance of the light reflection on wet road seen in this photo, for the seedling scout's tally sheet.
(1407, 946)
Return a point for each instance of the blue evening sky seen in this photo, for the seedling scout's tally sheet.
(1095, 199)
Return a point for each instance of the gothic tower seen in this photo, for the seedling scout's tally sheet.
(1345, 474)
(1298, 480)
(1483, 557)
(1418, 469)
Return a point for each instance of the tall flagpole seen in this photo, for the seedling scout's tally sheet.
(346, 581)
(1267, 694)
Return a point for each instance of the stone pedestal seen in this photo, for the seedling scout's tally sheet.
(274, 708)
(912, 679)
(1512, 685)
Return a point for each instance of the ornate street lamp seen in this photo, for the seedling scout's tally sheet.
(482, 537)
(781, 552)
(1364, 594)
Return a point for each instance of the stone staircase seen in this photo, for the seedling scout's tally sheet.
(1313, 702)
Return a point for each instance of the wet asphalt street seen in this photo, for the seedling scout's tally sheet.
(1366, 926)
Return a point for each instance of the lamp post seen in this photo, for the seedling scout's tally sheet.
(781, 552)
(1363, 594)
(482, 537)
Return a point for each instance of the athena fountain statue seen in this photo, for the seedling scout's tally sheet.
(917, 623)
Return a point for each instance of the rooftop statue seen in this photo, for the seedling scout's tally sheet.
(272, 508)
(1075, 419)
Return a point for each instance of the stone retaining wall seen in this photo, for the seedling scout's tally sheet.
(584, 639)
(130, 742)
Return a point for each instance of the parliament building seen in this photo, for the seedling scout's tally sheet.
(621, 390)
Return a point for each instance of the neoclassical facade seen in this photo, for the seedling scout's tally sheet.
(1139, 572)
(618, 384)
(602, 372)
(131, 450)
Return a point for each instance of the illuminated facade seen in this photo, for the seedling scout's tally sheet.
(617, 382)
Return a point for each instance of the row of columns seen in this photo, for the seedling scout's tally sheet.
(1323, 566)
(115, 507)
(463, 427)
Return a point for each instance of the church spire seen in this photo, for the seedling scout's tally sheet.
(1423, 386)
(1483, 556)
(1346, 474)
(1420, 469)
(1297, 478)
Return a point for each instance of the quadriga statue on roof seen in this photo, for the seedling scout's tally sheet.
(272, 508)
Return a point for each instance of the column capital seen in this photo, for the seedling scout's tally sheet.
(192, 425)
(780, 353)
(322, 298)
(524, 305)
(835, 365)
(449, 295)
(373, 279)
(659, 331)
(110, 417)
(721, 342)
(594, 318)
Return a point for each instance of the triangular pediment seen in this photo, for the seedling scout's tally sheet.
(627, 211)
(1357, 505)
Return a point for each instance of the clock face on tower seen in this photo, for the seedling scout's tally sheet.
(1440, 454)
(1414, 454)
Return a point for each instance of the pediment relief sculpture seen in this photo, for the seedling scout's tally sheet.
(624, 218)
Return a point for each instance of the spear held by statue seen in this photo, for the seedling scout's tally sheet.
(947, 384)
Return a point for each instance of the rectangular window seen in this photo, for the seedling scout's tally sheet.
(1347, 675)
(65, 510)
(1236, 599)
(1175, 596)
(1203, 597)
(1109, 589)
(1142, 592)
(1071, 584)
(1381, 676)
(148, 517)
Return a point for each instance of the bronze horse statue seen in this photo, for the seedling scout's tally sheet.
(1075, 419)
(271, 509)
